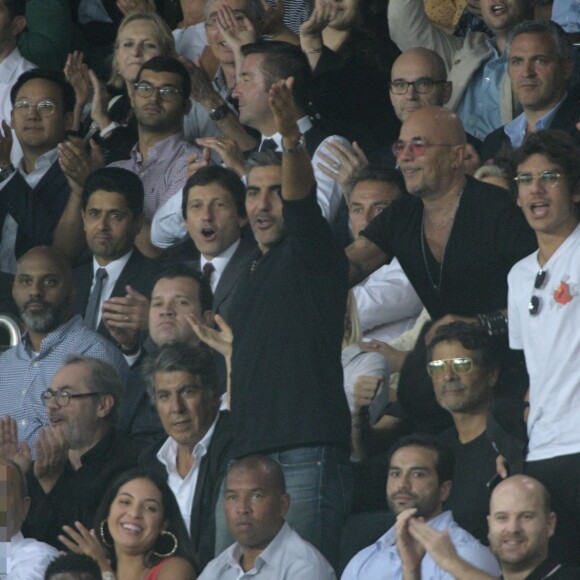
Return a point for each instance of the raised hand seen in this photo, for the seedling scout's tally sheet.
(5, 144)
(410, 550)
(227, 149)
(236, 29)
(77, 74)
(342, 163)
(197, 160)
(126, 316)
(220, 339)
(83, 541)
(52, 448)
(127, 6)
(283, 107)
(9, 448)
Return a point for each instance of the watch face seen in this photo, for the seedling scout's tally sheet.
(219, 113)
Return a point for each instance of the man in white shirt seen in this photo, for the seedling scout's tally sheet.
(266, 547)
(12, 64)
(386, 302)
(26, 558)
(544, 314)
(182, 382)
(419, 481)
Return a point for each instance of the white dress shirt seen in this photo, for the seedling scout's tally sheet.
(183, 488)
(286, 557)
(27, 559)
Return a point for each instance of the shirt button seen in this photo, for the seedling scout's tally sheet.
(24, 391)
(35, 364)
(487, 79)
(24, 422)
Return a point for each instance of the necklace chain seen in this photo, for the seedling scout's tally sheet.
(437, 287)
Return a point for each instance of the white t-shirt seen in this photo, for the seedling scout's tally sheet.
(551, 344)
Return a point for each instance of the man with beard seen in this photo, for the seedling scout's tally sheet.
(78, 454)
(43, 291)
(521, 523)
(419, 481)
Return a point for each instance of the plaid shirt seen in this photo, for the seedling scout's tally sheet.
(25, 375)
(164, 172)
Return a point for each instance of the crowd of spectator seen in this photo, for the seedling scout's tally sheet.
(292, 289)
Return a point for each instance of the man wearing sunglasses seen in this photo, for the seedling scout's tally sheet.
(463, 366)
(455, 238)
(544, 317)
(540, 61)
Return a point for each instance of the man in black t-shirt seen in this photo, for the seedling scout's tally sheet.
(464, 367)
(456, 238)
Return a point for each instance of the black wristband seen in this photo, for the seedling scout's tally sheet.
(494, 323)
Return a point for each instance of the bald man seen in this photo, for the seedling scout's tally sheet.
(521, 524)
(26, 559)
(455, 238)
(43, 291)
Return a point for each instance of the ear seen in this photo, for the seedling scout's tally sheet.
(447, 90)
(284, 504)
(186, 106)
(445, 490)
(24, 507)
(208, 318)
(68, 119)
(105, 406)
(458, 156)
(84, 216)
(242, 221)
(493, 377)
(551, 524)
(18, 25)
(138, 223)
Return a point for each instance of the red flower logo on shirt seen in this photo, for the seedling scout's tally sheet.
(562, 294)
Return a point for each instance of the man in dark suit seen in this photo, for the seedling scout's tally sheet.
(540, 63)
(182, 381)
(113, 289)
(215, 215)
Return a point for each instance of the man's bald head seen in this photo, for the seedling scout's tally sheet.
(438, 124)
(43, 289)
(427, 70)
(14, 500)
(520, 524)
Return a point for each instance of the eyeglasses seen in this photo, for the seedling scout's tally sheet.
(421, 86)
(546, 178)
(44, 108)
(63, 397)
(460, 366)
(166, 92)
(534, 305)
(417, 146)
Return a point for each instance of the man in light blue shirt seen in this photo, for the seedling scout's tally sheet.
(419, 481)
(267, 548)
(540, 62)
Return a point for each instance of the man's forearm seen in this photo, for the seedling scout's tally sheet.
(297, 175)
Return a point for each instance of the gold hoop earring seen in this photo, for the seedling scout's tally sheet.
(175, 545)
(102, 532)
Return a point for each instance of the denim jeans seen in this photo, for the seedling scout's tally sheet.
(319, 482)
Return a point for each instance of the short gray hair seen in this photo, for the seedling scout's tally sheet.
(194, 360)
(101, 378)
(562, 45)
(264, 158)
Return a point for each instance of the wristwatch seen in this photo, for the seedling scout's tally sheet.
(219, 113)
(298, 148)
(6, 171)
